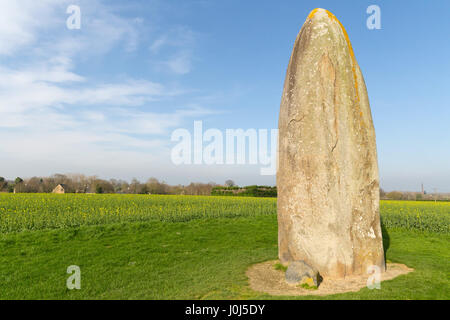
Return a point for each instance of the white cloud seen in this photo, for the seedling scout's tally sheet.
(178, 37)
(21, 21)
(50, 113)
(182, 41)
(181, 63)
(101, 30)
(25, 22)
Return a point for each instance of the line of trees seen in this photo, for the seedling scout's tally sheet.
(78, 183)
(8, 186)
(418, 196)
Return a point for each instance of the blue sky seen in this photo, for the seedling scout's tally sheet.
(105, 99)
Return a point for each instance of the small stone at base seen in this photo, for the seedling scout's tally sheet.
(299, 272)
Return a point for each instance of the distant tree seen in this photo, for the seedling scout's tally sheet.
(124, 187)
(144, 189)
(382, 193)
(77, 183)
(135, 186)
(99, 189)
(19, 185)
(230, 183)
(102, 186)
(34, 185)
(153, 186)
(198, 189)
(120, 186)
(116, 184)
(3, 183)
(394, 195)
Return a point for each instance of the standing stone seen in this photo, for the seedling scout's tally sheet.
(328, 184)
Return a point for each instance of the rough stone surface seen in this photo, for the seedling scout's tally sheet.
(299, 272)
(327, 179)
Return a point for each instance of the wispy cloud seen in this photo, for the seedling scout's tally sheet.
(49, 108)
(21, 21)
(181, 40)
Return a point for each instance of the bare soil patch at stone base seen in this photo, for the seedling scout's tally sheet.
(263, 277)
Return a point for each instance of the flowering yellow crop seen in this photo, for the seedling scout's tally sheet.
(20, 212)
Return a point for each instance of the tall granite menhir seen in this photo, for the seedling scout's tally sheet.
(328, 184)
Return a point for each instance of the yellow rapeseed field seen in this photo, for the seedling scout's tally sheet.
(19, 212)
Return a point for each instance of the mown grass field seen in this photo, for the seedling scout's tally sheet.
(182, 247)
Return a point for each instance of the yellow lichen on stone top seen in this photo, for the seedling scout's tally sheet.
(312, 13)
(333, 18)
(347, 39)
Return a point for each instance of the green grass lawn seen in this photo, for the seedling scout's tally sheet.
(204, 258)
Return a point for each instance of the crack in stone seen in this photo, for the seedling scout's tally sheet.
(335, 145)
(296, 120)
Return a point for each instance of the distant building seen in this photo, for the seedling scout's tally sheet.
(60, 189)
